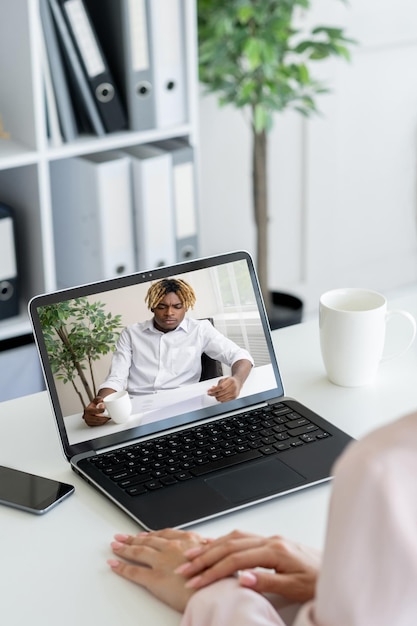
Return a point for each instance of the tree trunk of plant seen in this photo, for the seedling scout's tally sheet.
(62, 334)
(260, 203)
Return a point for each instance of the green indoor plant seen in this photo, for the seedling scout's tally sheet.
(77, 333)
(254, 56)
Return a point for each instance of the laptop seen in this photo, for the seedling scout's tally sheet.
(183, 457)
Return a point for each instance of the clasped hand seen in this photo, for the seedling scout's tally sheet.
(173, 564)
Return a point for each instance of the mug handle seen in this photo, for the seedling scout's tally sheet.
(412, 321)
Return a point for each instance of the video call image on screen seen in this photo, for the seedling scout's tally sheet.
(80, 336)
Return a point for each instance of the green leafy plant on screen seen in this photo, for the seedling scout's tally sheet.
(254, 55)
(77, 333)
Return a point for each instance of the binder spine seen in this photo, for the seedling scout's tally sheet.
(76, 69)
(93, 218)
(63, 99)
(184, 190)
(9, 280)
(153, 206)
(95, 66)
(140, 81)
(123, 28)
(168, 61)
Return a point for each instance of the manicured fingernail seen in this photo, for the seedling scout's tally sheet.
(116, 545)
(182, 568)
(247, 579)
(192, 552)
(193, 582)
(121, 537)
(113, 563)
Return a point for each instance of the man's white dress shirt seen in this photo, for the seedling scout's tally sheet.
(147, 360)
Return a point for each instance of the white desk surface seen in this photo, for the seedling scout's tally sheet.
(54, 567)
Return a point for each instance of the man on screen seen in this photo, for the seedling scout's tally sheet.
(165, 351)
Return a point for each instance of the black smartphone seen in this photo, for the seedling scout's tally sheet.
(29, 492)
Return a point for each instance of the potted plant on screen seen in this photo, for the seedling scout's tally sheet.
(78, 333)
(254, 57)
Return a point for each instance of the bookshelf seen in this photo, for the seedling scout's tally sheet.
(26, 156)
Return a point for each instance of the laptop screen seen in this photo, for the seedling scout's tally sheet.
(77, 332)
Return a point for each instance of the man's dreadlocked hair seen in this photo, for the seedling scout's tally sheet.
(159, 290)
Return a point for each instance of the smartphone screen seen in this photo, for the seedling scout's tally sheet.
(29, 492)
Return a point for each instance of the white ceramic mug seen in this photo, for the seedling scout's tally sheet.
(119, 406)
(352, 334)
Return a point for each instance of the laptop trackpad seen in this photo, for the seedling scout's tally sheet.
(255, 480)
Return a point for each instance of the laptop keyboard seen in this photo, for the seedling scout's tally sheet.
(197, 451)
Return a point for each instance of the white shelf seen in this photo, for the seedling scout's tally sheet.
(86, 145)
(14, 154)
(15, 326)
(26, 158)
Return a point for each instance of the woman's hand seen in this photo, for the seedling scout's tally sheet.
(150, 560)
(294, 567)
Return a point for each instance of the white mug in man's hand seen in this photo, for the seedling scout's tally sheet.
(119, 406)
(352, 334)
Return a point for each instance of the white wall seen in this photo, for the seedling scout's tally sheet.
(343, 185)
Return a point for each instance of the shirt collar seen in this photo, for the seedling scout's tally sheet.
(149, 327)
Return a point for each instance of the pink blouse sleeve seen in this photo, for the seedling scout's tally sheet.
(225, 603)
(369, 568)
